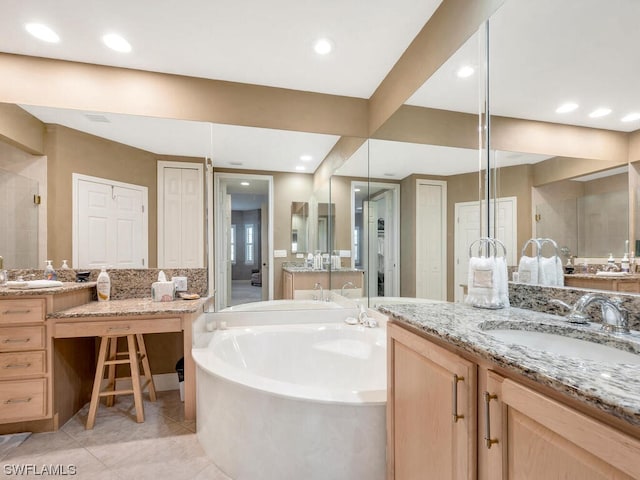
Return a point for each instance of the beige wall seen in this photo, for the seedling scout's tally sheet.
(70, 151)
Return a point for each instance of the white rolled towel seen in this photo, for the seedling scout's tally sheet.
(528, 270)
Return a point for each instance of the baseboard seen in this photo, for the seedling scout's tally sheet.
(163, 382)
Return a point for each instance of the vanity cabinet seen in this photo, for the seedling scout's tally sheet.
(534, 436)
(518, 431)
(431, 410)
(300, 284)
(630, 284)
(24, 369)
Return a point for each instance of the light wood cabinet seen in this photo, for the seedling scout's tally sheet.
(534, 436)
(615, 284)
(518, 431)
(24, 372)
(431, 410)
(295, 284)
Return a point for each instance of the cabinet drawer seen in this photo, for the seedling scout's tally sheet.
(23, 399)
(115, 327)
(22, 311)
(14, 339)
(22, 364)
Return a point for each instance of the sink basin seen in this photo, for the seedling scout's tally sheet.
(566, 346)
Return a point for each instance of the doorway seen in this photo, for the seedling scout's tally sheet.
(375, 238)
(243, 218)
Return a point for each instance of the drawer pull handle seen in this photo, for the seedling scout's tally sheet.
(18, 400)
(487, 420)
(456, 379)
(17, 340)
(15, 312)
(18, 365)
(114, 329)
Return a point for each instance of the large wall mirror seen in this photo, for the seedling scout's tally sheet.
(565, 123)
(115, 190)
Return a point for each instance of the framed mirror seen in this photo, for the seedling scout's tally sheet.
(299, 227)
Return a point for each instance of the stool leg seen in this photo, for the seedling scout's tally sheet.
(95, 394)
(111, 376)
(146, 368)
(135, 378)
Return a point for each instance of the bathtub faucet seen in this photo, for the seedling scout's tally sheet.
(365, 319)
(316, 287)
(347, 284)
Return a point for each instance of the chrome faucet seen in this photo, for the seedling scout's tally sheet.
(615, 318)
(364, 319)
(347, 284)
(316, 287)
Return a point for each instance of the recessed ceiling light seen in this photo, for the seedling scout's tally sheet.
(356, 189)
(300, 168)
(236, 164)
(116, 42)
(389, 174)
(306, 158)
(465, 71)
(359, 209)
(631, 117)
(323, 46)
(600, 112)
(245, 184)
(567, 107)
(42, 32)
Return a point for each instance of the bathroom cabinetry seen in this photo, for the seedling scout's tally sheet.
(431, 410)
(534, 435)
(24, 366)
(300, 284)
(630, 284)
(538, 437)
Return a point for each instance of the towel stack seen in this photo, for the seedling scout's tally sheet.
(528, 270)
(487, 282)
(541, 271)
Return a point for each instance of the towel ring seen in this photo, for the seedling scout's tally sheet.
(488, 242)
(553, 243)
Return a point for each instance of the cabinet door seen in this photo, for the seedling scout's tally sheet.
(430, 410)
(539, 438)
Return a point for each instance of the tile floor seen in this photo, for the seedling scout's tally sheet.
(163, 447)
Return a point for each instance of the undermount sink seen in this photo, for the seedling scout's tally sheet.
(560, 344)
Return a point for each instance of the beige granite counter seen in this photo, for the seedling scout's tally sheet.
(294, 269)
(131, 307)
(65, 288)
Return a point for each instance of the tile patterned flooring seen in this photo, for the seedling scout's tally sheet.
(165, 446)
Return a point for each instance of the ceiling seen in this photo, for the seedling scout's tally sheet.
(542, 54)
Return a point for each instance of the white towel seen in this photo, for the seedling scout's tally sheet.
(551, 273)
(528, 270)
(487, 283)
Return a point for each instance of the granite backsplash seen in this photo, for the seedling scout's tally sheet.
(127, 283)
(536, 297)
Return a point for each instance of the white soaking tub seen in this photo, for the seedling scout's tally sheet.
(304, 401)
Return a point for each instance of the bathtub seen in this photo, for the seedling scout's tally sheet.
(306, 304)
(304, 401)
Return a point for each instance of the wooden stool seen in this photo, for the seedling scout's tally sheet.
(133, 357)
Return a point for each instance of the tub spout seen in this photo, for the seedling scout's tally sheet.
(365, 319)
(316, 287)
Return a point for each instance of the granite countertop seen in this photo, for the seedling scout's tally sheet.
(592, 276)
(611, 388)
(24, 292)
(324, 270)
(131, 307)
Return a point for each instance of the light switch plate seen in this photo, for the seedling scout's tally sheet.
(299, 255)
(180, 283)
(345, 253)
(279, 253)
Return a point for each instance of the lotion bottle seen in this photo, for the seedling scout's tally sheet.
(103, 286)
(624, 264)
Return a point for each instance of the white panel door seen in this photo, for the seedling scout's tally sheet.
(431, 247)
(180, 216)
(109, 224)
(466, 231)
(373, 247)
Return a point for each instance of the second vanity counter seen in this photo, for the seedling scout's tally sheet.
(131, 307)
(613, 389)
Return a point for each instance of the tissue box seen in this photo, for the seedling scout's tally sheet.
(162, 291)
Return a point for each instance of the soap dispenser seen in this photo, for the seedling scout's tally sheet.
(611, 262)
(624, 264)
(49, 272)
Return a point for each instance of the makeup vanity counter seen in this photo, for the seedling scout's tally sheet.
(489, 400)
(298, 282)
